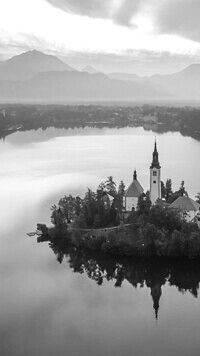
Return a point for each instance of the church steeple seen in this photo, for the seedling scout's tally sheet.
(155, 177)
(135, 175)
(156, 292)
(155, 163)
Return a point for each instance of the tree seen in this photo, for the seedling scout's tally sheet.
(119, 196)
(110, 186)
(67, 206)
(57, 217)
(163, 190)
(78, 205)
(89, 207)
(168, 190)
(165, 218)
(179, 193)
(198, 198)
(144, 204)
(182, 190)
(101, 187)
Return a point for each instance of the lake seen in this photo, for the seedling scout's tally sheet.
(108, 306)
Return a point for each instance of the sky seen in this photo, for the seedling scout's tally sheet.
(134, 36)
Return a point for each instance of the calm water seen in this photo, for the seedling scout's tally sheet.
(108, 306)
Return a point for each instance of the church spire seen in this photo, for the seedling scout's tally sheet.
(156, 293)
(155, 163)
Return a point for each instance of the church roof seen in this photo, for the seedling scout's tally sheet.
(134, 190)
(155, 162)
(185, 204)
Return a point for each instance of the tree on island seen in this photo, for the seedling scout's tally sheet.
(57, 217)
(167, 193)
(181, 192)
(144, 204)
(118, 202)
(110, 186)
(198, 198)
(163, 191)
(168, 190)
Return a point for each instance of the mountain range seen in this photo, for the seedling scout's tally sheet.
(37, 77)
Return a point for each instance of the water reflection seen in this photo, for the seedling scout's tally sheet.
(152, 273)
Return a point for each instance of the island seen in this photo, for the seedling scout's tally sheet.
(129, 222)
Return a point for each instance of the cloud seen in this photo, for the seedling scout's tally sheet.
(120, 11)
(179, 17)
(126, 11)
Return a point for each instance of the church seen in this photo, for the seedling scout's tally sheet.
(135, 189)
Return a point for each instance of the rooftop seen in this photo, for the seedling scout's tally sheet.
(185, 204)
(135, 189)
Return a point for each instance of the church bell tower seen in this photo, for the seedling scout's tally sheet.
(155, 177)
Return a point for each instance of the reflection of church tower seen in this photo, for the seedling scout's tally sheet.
(156, 292)
(155, 173)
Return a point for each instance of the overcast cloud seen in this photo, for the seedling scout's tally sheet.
(120, 11)
(179, 17)
(139, 36)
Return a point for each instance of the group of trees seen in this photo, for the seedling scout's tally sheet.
(160, 215)
(169, 196)
(167, 193)
(97, 209)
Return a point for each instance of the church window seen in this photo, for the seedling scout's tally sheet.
(154, 173)
(154, 181)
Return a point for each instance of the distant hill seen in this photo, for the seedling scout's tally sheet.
(90, 69)
(28, 64)
(35, 76)
(183, 85)
(74, 86)
(127, 77)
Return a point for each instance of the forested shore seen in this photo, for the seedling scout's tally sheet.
(19, 117)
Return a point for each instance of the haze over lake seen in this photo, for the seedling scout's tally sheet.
(45, 308)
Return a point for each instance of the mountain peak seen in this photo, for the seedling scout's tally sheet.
(27, 64)
(191, 69)
(90, 69)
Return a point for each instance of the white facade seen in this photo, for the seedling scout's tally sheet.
(130, 203)
(155, 184)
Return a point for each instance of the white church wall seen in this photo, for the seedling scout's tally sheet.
(131, 202)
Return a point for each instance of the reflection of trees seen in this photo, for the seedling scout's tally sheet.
(154, 273)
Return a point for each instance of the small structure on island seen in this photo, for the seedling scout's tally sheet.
(188, 208)
(132, 194)
(155, 177)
